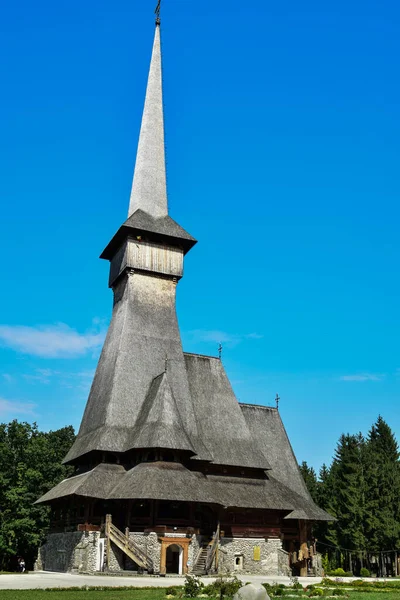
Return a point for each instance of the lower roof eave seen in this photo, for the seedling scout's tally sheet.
(96, 483)
(313, 515)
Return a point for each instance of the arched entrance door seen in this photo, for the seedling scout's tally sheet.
(174, 546)
(174, 559)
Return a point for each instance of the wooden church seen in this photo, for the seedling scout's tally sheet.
(172, 473)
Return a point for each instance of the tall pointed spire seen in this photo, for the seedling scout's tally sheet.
(149, 188)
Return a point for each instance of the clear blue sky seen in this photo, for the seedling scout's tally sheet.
(282, 128)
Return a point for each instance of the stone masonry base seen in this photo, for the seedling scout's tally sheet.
(75, 552)
(81, 552)
(253, 556)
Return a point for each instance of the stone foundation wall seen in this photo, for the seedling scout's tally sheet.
(74, 551)
(283, 563)
(254, 555)
(79, 551)
(316, 565)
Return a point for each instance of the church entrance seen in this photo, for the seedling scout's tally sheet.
(174, 559)
(174, 554)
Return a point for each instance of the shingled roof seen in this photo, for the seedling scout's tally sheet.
(159, 424)
(173, 481)
(224, 429)
(265, 425)
(96, 483)
(158, 229)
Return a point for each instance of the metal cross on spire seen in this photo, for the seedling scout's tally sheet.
(277, 398)
(157, 12)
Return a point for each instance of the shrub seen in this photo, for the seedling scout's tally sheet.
(277, 591)
(337, 573)
(171, 591)
(338, 592)
(365, 573)
(316, 592)
(295, 583)
(193, 586)
(327, 581)
(224, 586)
(348, 574)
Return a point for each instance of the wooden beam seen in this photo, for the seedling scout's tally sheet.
(303, 547)
(108, 546)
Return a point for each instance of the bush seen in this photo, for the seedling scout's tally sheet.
(348, 574)
(365, 573)
(338, 592)
(171, 591)
(277, 591)
(337, 573)
(223, 586)
(316, 592)
(193, 586)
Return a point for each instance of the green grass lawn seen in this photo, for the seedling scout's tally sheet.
(147, 594)
(395, 595)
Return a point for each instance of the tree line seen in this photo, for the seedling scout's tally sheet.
(361, 488)
(30, 464)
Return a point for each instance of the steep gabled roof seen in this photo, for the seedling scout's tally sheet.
(266, 426)
(159, 424)
(142, 333)
(225, 431)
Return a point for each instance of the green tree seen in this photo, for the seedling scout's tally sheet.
(383, 489)
(362, 490)
(310, 479)
(347, 493)
(30, 464)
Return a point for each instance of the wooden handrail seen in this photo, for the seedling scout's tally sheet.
(196, 560)
(213, 549)
(127, 545)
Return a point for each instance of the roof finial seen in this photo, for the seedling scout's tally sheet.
(157, 12)
(220, 351)
(277, 398)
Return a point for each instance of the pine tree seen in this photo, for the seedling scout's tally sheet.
(340, 490)
(324, 487)
(383, 488)
(362, 490)
(310, 479)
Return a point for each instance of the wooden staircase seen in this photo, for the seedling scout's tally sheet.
(128, 546)
(200, 565)
(207, 558)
